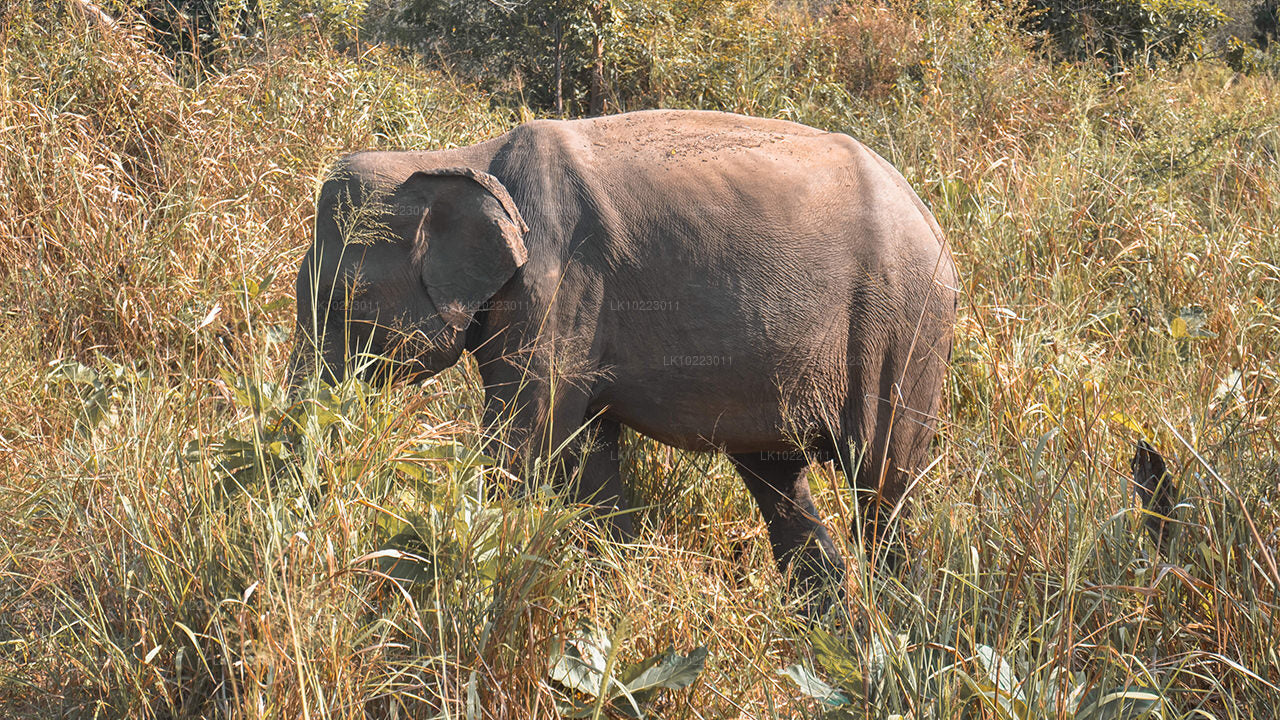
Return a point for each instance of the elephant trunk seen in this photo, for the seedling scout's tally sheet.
(305, 360)
(300, 367)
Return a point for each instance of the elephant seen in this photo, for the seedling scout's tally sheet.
(714, 281)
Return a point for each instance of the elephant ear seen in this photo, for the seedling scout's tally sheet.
(469, 240)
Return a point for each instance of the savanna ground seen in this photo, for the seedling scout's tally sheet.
(179, 540)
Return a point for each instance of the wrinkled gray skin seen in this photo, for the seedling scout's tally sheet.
(714, 281)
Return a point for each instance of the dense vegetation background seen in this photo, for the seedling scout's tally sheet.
(177, 539)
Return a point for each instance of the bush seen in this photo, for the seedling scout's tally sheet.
(723, 55)
(1143, 30)
(539, 53)
(870, 46)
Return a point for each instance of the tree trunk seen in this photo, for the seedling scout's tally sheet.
(559, 69)
(596, 103)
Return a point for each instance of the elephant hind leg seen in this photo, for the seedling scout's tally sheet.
(780, 486)
(880, 485)
(892, 420)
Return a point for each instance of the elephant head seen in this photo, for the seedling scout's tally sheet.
(397, 272)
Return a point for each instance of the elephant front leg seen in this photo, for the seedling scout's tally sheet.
(597, 478)
(533, 435)
(523, 427)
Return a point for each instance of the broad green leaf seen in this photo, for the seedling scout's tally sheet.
(73, 372)
(575, 709)
(814, 687)
(669, 670)
(473, 697)
(390, 525)
(1036, 457)
(415, 471)
(837, 660)
(581, 662)
(999, 672)
(982, 691)
(632, 672)
(1126, 704)
(406, 567)
(457, 453)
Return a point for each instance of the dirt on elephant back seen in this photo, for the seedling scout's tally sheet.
(679, 139)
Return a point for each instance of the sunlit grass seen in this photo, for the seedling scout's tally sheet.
(179, 538)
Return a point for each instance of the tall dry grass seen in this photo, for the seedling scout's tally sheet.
(179, 540)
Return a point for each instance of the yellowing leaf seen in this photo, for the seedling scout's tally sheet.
(1124, 419)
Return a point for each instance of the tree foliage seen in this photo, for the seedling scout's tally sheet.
(538, 50)
(641, 52)
(1126, 30)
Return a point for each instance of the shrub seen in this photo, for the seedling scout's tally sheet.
(719, 54)
(540, 53)
(870, 45)
(1142, 30)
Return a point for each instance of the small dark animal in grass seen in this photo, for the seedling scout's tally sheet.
(714, 281)
(1156, 491)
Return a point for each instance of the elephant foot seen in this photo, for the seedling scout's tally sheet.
(817, 577)
(888, 549)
